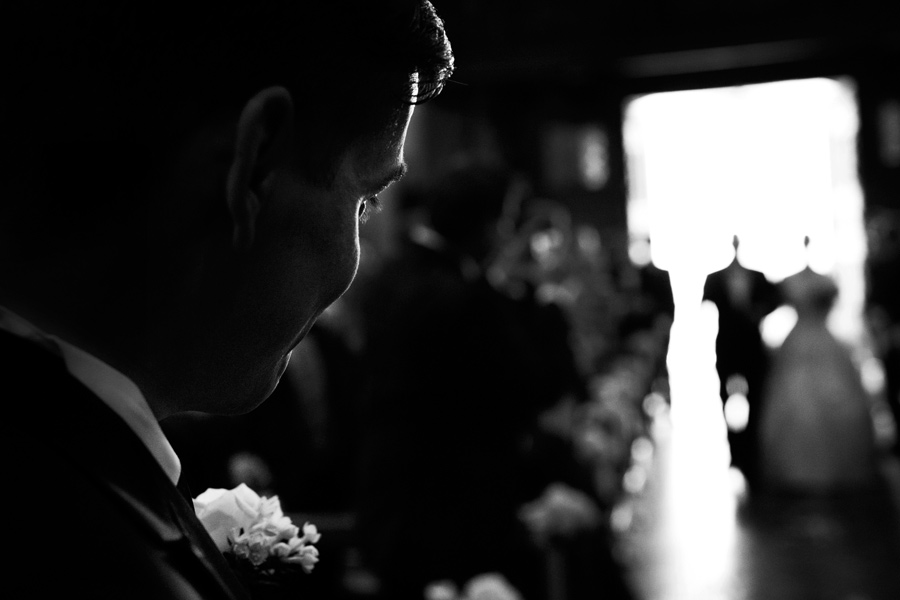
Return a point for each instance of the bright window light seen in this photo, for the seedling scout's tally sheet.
(771, 163)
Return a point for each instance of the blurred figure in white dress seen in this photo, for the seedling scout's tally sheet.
(816, 430)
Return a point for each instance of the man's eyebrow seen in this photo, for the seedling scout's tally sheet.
(396, 174)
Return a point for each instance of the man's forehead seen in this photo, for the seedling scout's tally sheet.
(380, 160)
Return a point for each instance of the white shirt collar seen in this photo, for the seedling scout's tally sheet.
(112, 387)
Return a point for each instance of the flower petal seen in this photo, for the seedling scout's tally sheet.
(246, 499)
(311, 535)
(206, 498)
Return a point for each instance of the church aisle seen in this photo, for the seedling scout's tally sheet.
(691, 533)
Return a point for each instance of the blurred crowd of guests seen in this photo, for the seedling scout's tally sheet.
(472, 404)
(469, 405)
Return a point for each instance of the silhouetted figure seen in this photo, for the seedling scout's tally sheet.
(743, 298)
(652, 298)
(883, 302)
(458, 377)
(816, 429)
(182, 197)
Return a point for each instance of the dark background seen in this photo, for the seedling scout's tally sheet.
(525, 67)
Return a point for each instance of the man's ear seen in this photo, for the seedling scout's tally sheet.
(262, 143)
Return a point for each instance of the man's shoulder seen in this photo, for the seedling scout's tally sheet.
(89, 507)
(107, 535)
(76, 536)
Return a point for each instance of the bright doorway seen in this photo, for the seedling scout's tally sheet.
(771, 163)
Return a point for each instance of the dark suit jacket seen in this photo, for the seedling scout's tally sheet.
(89, 513)
(740, 349)
(739, 343)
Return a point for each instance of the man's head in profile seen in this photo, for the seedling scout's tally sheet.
(186, 187)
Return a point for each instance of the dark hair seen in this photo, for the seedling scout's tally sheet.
(122, 82)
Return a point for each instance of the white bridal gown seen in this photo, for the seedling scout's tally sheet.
(816, 431)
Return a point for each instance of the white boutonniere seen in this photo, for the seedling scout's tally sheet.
(253, 532)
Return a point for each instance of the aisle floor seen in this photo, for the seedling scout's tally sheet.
(691, 533)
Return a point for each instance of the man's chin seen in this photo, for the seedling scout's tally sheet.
(267, 387)
(282, 367)
(271, 382)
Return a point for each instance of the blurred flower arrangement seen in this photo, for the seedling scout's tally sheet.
(487, 586)
(560, 512)
(253, 533)
(619, 331)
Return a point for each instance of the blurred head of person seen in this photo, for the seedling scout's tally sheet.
(186, 185)
(474, 205)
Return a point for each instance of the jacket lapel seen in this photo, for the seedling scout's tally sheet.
(81, 429)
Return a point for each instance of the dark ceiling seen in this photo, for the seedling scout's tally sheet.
(508, 41)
